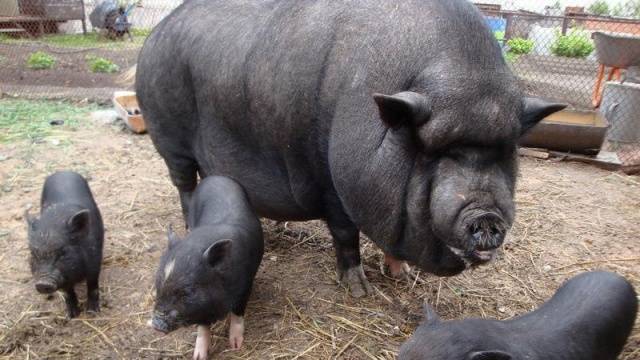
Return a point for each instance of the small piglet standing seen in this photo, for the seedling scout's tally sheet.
(66, 240)
(209, 274)
(589, 318)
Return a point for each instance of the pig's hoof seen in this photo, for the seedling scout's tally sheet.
(198, 354)
(93, 308)
(73, 312)
(355, 280)
(236, 331)
(235, 342)
(396, 269)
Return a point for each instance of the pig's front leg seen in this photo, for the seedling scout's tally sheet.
(71, 300)
(236, 331)
(201, 350)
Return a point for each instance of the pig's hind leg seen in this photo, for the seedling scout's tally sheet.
(183, 172)
(93, 295)
(71, 301)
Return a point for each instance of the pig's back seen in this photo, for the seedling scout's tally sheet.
(67, 187)
(593, 313)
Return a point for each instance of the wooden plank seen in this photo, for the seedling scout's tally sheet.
(12, 31)
(63, 9)
(21, 18)
(534, 153)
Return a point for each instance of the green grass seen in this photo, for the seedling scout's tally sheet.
(40, 60)
(91, 40)
(29, 119)
(102, 65)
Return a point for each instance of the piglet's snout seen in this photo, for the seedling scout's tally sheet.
(46, 286)
(160, 325)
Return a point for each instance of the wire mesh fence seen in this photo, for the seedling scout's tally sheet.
(587, 57)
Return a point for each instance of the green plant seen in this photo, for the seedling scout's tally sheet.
(40, 60)
(576, 44)
(102, 65)
(520, 46)
(599, 7)
(499, 35)
(511, 57)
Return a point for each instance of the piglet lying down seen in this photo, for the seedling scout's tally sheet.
(589, 318)
(209, 274)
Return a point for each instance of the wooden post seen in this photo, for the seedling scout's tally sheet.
(565, 24)
(84, 19)
(508, 27)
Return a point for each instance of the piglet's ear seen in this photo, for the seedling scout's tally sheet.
(172, 237)
(32, 221)
(216, 254)
(489, 355)
(430, 315)
(79, 222)
(407, 108)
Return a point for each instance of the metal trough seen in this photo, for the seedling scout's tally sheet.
(568, 131)
(617, 50)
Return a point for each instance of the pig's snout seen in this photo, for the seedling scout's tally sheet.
(487, 232)
(160, 325)
(165, 322)
(46, 286)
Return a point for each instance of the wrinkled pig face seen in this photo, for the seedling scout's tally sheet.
(189, 283)
(459, 198)
(55, 243)
(471, 339)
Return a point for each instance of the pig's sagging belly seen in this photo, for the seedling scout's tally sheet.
(277, 190)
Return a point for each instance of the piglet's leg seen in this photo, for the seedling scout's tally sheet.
(397, 268)
(236, 331)
(201, 350)
(71, 300)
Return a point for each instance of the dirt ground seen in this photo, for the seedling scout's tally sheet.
(571, 218)
(71, 68)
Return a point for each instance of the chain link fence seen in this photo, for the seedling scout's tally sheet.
(587, 57)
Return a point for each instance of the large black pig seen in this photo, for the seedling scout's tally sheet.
(397, 118)
(589, 318)
(66, 240)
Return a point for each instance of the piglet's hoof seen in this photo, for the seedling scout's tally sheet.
(395, 268)
(355, 280)
(236, 332)
(201, 349)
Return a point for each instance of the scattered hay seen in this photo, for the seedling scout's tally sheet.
(571, 218)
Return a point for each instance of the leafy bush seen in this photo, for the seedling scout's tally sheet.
(102, 65)
(520, 46)
(499, 35)
(40, 60)
(576, 44)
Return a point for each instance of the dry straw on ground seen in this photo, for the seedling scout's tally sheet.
(571, 218)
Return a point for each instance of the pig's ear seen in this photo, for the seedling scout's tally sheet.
(489, 355)
(535, 110)
(403, 109)
(79, 221)
(217, 253)
(430, 315)
(172, 237)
